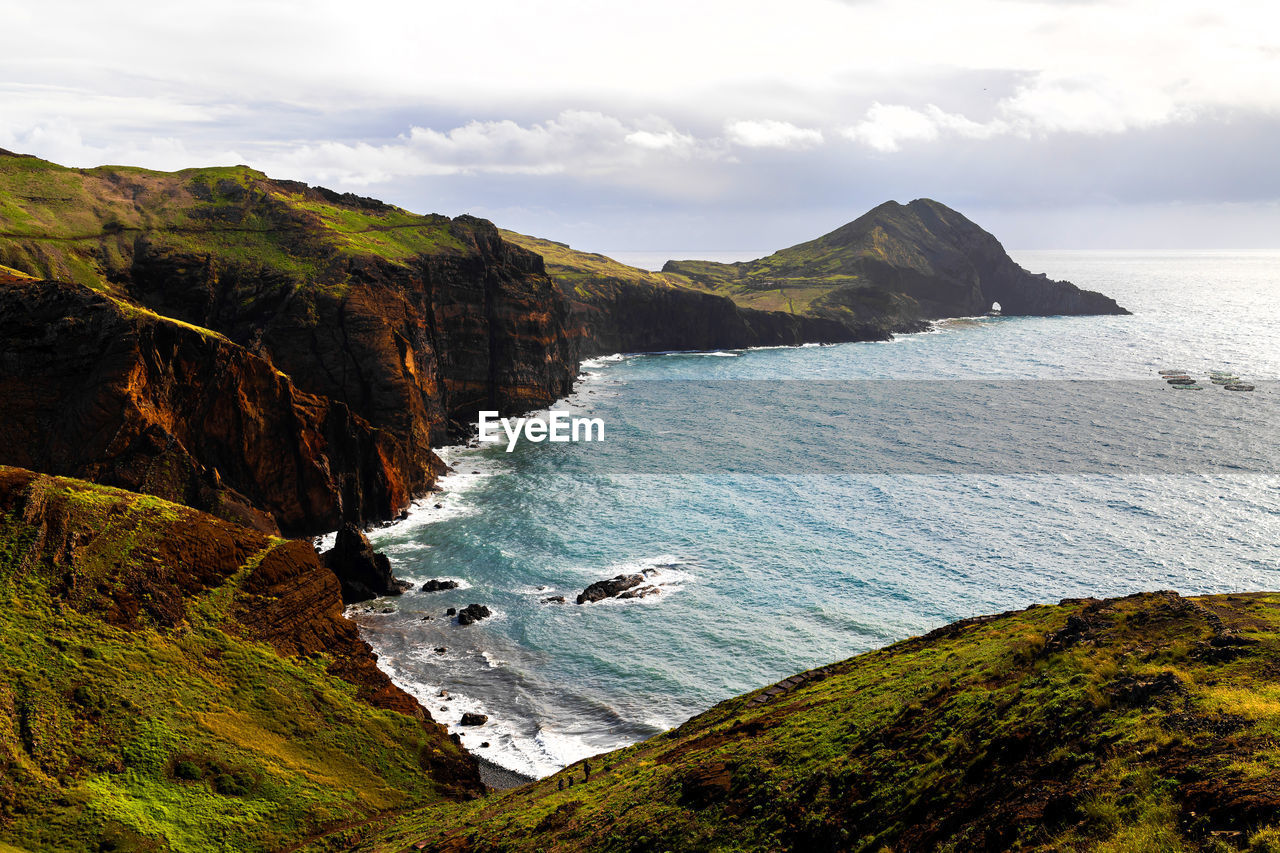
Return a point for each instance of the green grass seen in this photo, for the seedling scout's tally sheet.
(587, 274)
(80, 224)
(184, 737)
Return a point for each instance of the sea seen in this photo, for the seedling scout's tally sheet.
(797, 506)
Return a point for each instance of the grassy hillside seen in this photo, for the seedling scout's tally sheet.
(138, 712)
(81, 224)
(800, 277)
(1148, 723)
(588, 274)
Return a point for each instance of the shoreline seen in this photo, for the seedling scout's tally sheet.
(498, 778)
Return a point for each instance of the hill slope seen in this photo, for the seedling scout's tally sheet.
(1141, 723)
(174, 682)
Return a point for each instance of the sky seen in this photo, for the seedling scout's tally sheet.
(691, 126)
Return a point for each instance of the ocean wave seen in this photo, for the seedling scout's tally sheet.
(667, 572)
(519, 743)
(601, 361)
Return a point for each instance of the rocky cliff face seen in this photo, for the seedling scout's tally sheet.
(636, 317)
(99, 389)
(390, 331)
(613, 307)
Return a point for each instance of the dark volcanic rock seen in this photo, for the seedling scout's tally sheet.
(472, 613)
(363, 573)
(611, 588)
(470, 719)
(437, 585)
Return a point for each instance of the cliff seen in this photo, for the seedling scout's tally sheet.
(618, 308)
(407, 323)
(98, 388)
(891, 270)
(175, 682)
(921, 260)
(1140, 723)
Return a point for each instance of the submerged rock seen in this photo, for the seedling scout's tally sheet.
(362, 572)
(436, 585)
(473, 613)
(553, 599)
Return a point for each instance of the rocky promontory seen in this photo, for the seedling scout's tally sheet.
(326, 341)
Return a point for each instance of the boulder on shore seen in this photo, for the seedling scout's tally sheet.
(362, 572)
(470, 719)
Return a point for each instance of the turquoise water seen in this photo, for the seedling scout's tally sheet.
(800, 505)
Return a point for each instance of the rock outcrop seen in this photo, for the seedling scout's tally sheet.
(438, 585)
(362, 572)
(619, 586)
(473, 613)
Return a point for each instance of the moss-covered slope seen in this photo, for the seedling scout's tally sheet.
(173, 682)
(1137, 724)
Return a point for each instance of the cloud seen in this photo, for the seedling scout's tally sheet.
(585, 143)
(664, 141)
(771, 134)
(1047, 104)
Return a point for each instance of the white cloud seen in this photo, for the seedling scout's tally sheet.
(665, 140)
(771, 134)
(886, 127)
(1046, 104)
(582, 142)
